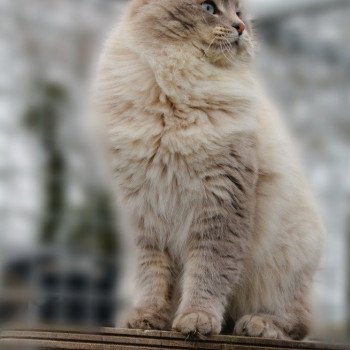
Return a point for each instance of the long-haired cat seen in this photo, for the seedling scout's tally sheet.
(223, 222)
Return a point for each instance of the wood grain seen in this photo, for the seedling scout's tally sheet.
(116, 339)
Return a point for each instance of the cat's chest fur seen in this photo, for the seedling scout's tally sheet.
(161, 168)
(166, 158)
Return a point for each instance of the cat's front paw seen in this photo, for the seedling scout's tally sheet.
(197, 322)
(258, 326)
(147, 319)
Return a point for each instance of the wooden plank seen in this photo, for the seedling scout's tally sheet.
(56, 345)
(108, 339)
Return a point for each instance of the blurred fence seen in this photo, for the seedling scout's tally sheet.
(58, 288)
(58, 244)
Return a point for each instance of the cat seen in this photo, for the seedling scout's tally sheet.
(224, 224)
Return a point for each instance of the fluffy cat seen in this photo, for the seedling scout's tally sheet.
(224, 224)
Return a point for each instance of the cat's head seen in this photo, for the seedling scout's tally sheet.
(218, 29)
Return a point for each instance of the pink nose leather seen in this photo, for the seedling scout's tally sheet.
(240, 27)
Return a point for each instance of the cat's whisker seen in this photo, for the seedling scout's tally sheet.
(231, 54)
(223, 52)
(204, 19)
(228, 42)
(207, 50)
(228, 45)
(226, 52)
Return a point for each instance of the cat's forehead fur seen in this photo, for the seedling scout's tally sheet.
(223, 5)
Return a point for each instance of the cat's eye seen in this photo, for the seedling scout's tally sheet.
(209, 6)
(239, 14)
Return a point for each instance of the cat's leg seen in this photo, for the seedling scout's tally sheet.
(292, 324)
(272, 327)
(217, 249)
(213, 267)
(154, 288)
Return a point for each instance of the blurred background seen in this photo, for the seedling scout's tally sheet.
(60, 252)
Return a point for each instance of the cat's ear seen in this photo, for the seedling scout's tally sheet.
(142, 2)
(137, 4)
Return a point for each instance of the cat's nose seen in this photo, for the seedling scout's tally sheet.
(239, 26)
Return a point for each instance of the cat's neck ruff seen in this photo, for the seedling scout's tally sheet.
(188, 78)
(176, 80)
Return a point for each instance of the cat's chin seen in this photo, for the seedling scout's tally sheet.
(231, 54)
(227, 58)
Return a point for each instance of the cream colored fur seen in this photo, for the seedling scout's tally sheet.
(171, 114)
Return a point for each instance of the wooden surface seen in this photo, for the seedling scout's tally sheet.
(116, 339)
